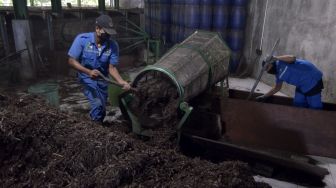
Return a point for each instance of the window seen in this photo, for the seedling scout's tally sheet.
(42, 3)
(6, 3)
(74, 3)
(89, 3)
(109, 3)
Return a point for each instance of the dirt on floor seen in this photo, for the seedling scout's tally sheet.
(43, 147)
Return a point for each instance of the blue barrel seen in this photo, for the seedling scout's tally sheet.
(192, 13)
(173, 12)
(220, 19)
(181, 35)
(188, 32)
(235, 40)
(157, 29)
(238, 17)
(205, 14)
(165, 16)
(239, 2)
(180, 10)
(236, 57)
(156, 15)
(150, 17)
(147, 16)
(165, 13)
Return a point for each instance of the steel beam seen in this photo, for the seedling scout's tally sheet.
(101, 5)
(50, 32)
(4, 34)
(20, 9)
(56, 6)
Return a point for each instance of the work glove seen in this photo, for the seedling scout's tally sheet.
(261, 98)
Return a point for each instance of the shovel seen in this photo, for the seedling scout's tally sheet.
(115, 83)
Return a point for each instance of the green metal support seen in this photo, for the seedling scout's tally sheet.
(101, 5)
(20, 9)
(56, 6)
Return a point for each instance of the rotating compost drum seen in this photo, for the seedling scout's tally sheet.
(165, 88)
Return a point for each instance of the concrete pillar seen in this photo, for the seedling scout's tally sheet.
(50, 31)
(56, 7)
(4, 34)
(22, 39)
(101, 5)
(20, 9)
(116, 4)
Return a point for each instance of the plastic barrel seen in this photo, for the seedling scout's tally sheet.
(150, 15)
(180, 36)
(220, 20)
(173, 33)
(174, 13)
(147, 16)
(205, 14)
(235, 40)
(192, 13)
(235, 60)
(180, 12)
(239, 2)
(238, 17)
(48, 90)
(165, 15)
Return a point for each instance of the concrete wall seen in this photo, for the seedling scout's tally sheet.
(306, 28)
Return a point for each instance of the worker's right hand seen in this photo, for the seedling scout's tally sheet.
(126, 86)
(94, 73)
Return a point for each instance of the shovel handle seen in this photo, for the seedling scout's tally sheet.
(114, 83)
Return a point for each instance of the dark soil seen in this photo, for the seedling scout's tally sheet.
(42, 147)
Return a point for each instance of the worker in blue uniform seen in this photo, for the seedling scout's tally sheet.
(92, 53)
(300, 73)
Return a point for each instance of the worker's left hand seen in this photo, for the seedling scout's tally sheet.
(126, 86)
(270, 58)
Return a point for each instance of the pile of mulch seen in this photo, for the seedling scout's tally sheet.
(42, 147)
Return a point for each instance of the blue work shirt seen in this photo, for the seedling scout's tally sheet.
(85, 50)
(302, 74)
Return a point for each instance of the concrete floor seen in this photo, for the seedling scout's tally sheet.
(329, 180)
(246, 84)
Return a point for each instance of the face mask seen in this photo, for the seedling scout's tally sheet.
(104, 36)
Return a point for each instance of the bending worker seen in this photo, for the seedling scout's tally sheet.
(92, 53)
(300, 73)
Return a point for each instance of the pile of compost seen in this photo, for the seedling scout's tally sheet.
(42, 147)
(156, 101)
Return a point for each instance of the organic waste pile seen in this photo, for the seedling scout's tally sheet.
(42, 147)
(156, 102)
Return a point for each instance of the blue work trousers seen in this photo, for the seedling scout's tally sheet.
(313, 102)
(96, 93)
